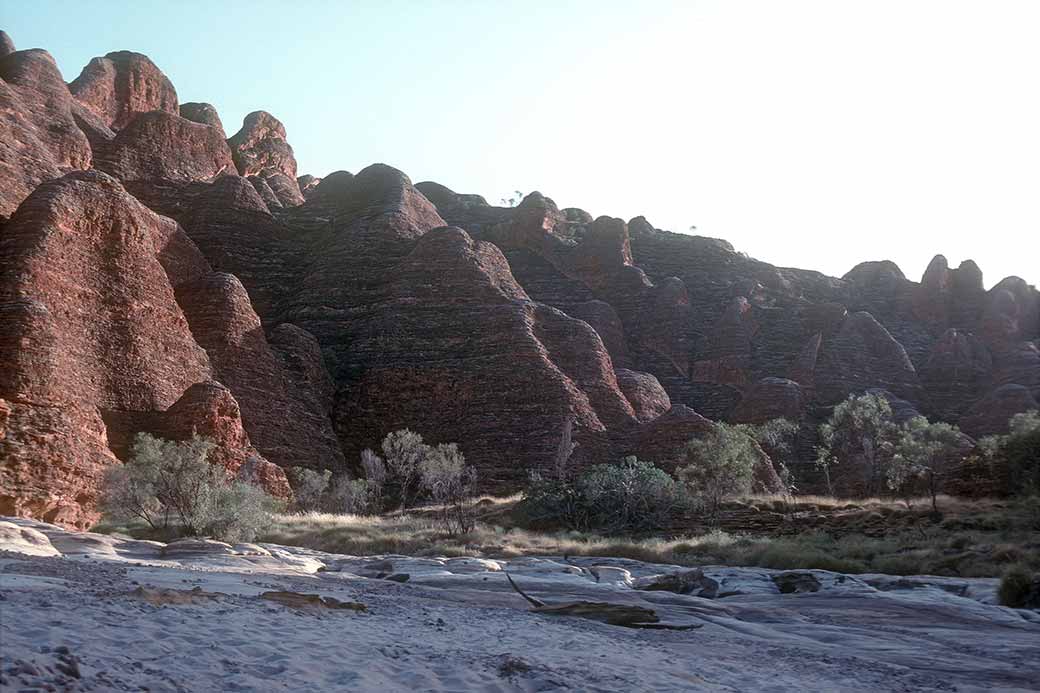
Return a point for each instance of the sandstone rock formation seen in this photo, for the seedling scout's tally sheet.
(203, 113)
(157, 277)
(39, 137)
(159, 146)
(122, 84)
(94, 338)
(260, 149)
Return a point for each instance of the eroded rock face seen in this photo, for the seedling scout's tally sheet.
(91, 314)
(285, 421)
(210, 410)
(122, 84)
(299, 320)
(991, 414)
(864, 354)
(96, 340)
(52, 459)
(91, 325)
(960, 365)
(770, 398)
(6, 44)
(159, 146)
(643, 391)
(260, 149)
(39, 137)
(203, 113)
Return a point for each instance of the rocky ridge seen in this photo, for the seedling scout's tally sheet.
(158, 276)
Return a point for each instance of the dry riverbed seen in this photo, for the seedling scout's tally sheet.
(92, 612)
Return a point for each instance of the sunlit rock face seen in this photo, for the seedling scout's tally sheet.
(158, 276)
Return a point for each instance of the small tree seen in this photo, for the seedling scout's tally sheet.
(861, 431)
(404, 452)
(922, 450)
(1014, 458)
(449, 483)
(719, 465)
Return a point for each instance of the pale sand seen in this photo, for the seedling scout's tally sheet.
(67, 608)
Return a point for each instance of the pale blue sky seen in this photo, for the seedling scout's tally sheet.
(808, 133)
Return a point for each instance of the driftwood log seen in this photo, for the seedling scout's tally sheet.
(626, 615)
(297, 600)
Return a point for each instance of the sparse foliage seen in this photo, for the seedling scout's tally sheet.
(1019, 588)
(513, 200)
(403, 452)
(776, 438)
(309, 487)
(172, 485)
(353, 496)
(449, 483)
(375, 474)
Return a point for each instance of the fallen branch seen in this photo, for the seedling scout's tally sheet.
(297, 600)
(626, 615)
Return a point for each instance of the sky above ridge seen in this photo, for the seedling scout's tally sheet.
(813, 134)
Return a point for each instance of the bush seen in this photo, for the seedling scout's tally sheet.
(719, 465)
(1019, 588)
(403, 451)
(630, 496)
(447, 480)
(242, 512)
(375, 476)
(309, 487)
(172, 486)
(353, 496)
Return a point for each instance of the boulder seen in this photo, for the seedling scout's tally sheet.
(159, 146)
(770, 398)
(203, 113)
(648, 399)
(122, 84)
(693, 582)
(25, 540)
(796, 582)
(991, 414)
(259, 148)
(6, 44)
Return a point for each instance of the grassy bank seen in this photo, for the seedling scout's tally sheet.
(972, 539)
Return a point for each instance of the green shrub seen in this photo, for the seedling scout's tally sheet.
(720, 465)
(173, 488)
(1017, 588)
(631, 496)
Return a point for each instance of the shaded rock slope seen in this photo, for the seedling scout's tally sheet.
(156, 275)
